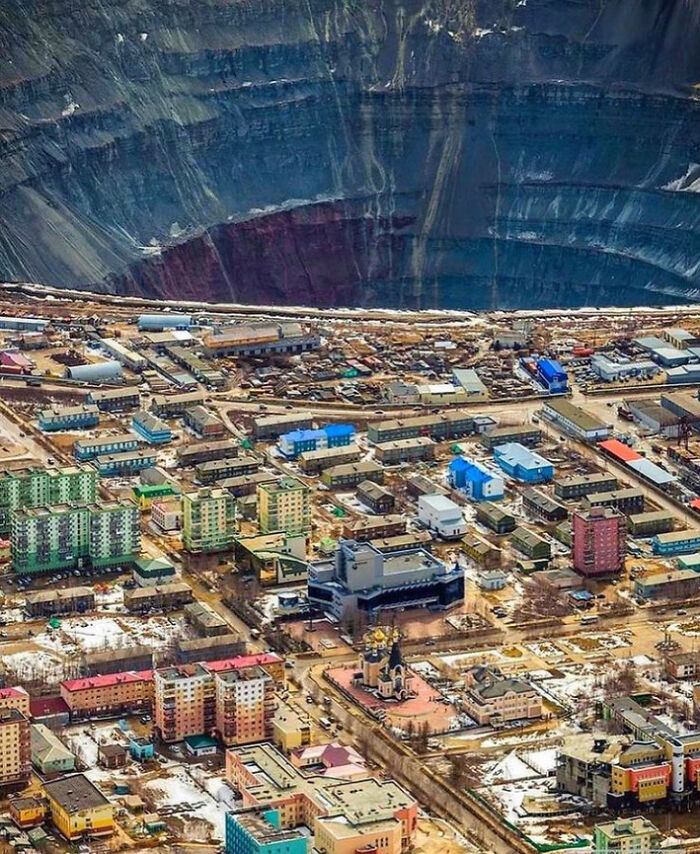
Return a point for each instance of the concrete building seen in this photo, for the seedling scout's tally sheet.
(584, 764)
(552, 376)
(108, 695)
(39, 487)
(69, 418)
(208, 520)
(174, 405)
(599, 541)
(205, 620)
(574, 420)
(78, 808)
(432, 394)
(257, 831)
(521, 463)
(209, 648)
(15, 750)
(124, 355)
(245, 706)
(441, 516)
(184, 702)
(477, 480)
(627, 836)
(167, 514)
(151, 428)
(616, 370)
(273, 426)
(284, 505)
(360, 577)
(654, 418)
(648, 524)
(344, 816)
(492, 699)
(275, 558)
(15, 698)
(145, 494)
(46, 539)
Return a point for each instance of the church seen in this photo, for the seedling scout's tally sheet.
(381, 668)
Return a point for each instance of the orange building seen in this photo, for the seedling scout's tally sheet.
(15, 749)
(245, 705)
(112, 694)
(184, 703)
(15, 698)
(345, 816)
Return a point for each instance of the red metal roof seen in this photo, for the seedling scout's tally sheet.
(242, 661)
(619, 450)
(107, 679)
(39, 707)
(695, 503)
(5, 693)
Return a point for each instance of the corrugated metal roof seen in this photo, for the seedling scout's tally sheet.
(651, 471)
(619, 450)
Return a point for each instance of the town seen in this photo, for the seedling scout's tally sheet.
(334, 582)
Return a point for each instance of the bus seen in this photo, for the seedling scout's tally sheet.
(589, 619)
(325, 723)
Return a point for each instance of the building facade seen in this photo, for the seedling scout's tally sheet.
(208, 520)
(599, 541)
(284, 505)
(39, 487)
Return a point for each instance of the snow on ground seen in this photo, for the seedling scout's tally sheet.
(546, 650)
(578, 683)
(425, 669)
(83, 739)
(178, 794)
(595, 643)
(510, 767)
(90, 634)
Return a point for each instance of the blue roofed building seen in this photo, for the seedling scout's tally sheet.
(300, 441)
(551, 374)
(69, 417)
(521, 463)
(475, 479)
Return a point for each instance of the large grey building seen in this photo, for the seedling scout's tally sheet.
(362, 578)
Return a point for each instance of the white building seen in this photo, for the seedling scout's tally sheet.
(442, 516)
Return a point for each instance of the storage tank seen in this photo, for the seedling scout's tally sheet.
(95, 372)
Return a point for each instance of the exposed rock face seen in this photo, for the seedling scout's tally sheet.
(447, 153)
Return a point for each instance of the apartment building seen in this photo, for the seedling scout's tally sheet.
(210, 472)
(452, 424)
(495, 518)
(109, 695)
(170, 596)
(208, 520)
(85, 450)
(203, 422)
(69, 418)
(204, 452)
(344, 816)
(274, 426)
(151, 428)
(15, 749)
(40, 487)
(284, 505)
(576, 486)
(524, 434)
(627, 501)
(68, 600)
(201, 699)
(15, 698)
(173, 406)
(115, 399)
(245, 705)
(46, 539)
(374, 527)
(350, 475)
(635, 835)
(531, 544)
(314, 462)
(126, 463)
(376, 497)
(405, 450)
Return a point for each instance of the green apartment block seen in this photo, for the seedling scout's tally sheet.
(208, 520)
(64, 537)
(284, 505)
(39, 487)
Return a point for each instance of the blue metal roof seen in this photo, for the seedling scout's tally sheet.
(295, 436)
(473, 471)
(516, 454)
(334, 430)
(163, 321)
(551, 369)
